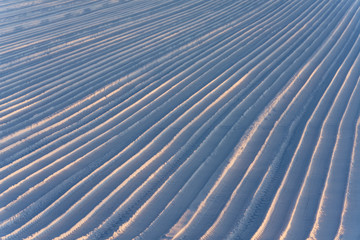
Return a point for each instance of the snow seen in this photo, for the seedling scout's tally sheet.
(150, 119)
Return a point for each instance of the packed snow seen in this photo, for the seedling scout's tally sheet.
(169, 119)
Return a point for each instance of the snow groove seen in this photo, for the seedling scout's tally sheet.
(133, 119)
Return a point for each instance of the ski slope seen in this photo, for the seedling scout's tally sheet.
(169, 119)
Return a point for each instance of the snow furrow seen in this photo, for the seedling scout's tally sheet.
(204, 119)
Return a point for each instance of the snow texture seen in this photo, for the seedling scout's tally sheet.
(169, 119)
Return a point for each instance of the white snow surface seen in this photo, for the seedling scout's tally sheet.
(180, 119)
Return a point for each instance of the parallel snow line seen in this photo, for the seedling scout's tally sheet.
(301, 220)
(106, 18)
(229, 175)
(253, 211)
(127, 27)
(335, 185)
(35, 15)
(57, 12)
(349, 219)
(194, 119)
(278, 212)
(158, 226)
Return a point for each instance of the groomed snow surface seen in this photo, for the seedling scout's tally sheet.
(169, 119)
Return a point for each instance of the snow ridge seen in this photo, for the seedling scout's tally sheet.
(134, 119)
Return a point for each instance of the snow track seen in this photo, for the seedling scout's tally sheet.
(126, 119)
